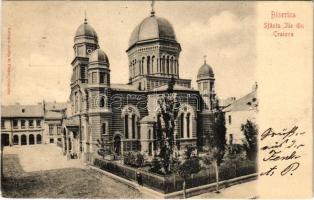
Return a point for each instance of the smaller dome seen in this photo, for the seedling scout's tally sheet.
(205, 71)
(99, 56)
(86, 30)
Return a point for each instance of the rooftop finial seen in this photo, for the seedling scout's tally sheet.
(152, 13)
(85, 18)
(204, 59)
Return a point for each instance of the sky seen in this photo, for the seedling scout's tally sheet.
(39, 36)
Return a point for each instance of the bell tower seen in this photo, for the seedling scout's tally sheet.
(205, 83)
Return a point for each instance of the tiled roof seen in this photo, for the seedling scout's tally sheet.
(53, 115)
(22, 111)
(248, 102)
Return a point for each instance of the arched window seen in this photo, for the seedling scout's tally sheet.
(182, 125)
(31, 139)
(143, 63)
(75, 102)
(153, 60)
(186, 114)
(174, 66)
(171, 65)
(157, 66)
(15, 139)
(167, 65)
(188, 125)
(38, 137)
(102, 102)
(148, 65)
(131, 115)
(163, 64)
(23, 140)
(126, 126)
(133, 126)
(140, 67)
(149, 134)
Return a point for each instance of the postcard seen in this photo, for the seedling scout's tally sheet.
(157, 99)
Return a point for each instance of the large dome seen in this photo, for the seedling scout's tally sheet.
(205, 71)
(152, 28)
(85, 30)
(98, 56)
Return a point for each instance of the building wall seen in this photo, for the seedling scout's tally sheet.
(234, 120)
(21, 131)
(52, 131)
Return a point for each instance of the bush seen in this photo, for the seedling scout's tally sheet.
(134, 159)
(156, 166)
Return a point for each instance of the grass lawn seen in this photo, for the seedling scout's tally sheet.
(59, 183)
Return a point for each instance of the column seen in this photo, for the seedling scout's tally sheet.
(194, 125)
(67, 145)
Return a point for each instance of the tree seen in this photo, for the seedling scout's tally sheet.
(217, 143)
(190, 166)
(249, 130)
(169, 107)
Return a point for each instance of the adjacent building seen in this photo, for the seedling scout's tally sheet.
(237, 113)
(21, 124)
(31, 124)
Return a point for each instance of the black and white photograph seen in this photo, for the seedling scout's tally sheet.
(140, 99)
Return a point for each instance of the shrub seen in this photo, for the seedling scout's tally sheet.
(156, 166)
(134, 159)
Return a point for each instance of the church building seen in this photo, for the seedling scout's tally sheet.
(122, 117)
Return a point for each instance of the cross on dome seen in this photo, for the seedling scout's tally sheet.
(152, 13)
(205, 58)
(85, 18)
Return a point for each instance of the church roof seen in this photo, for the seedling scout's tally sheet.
(176, 87)
(152, 28)
(123, 87)
(22, 111)
(86, 30)
(205, 71)
(247, 102)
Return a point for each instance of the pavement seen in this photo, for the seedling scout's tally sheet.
(247, 190)
(42, 157)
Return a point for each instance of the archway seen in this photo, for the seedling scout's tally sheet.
(15, 139)
(117, 145)
(23, 140)
(31, 139)
(38, 137)
(5, 139)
